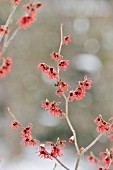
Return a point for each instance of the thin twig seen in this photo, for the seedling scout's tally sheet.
(55, 166)
(61, 41)
(71, 127)
(109, 165)
(93, 143)
(61, 164)
(12, 115)
(9, 40)
(77, 163)
(8, 20)
(5, 43)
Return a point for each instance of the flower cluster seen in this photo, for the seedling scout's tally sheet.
(26, 136)
(102, 126)
(6, 66)
(52, 108)
(107, 156)
(62, 87)
(15, 124)
(51, 150)
(92, 158)
(80, 91)
(49, 71)
(26, 21)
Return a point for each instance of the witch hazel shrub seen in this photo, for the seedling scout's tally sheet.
(7, 33)
(49, 149)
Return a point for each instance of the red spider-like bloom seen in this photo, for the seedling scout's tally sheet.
(66, 40)
(56, 112)
(15, 125)
(56, 148)
(30, 9)
(62, 87)
(28, 142)
(56, 57)
(2, 30)
(52, 74)
(93, 160)
(86, 84)
(7, 64)
(102, 168)
(52, 108)
(102, 126)
(43, 67)
(49, 71)
(45, 104)
(43, 153)
(63, 65)
(26, 132)
(25, 21)
(107, 156)
(79, 93)
(38, 5)
(71, 96)
(2, 72)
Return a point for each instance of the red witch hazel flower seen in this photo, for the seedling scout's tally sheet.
(43, 153)
(53, 109)
(63, 64)
(6, 66)
(86, 84)
(56, 148)
(26, 132)
(80, 91)
(107, 157)
(62, 87)
(43, 67)
(26, 136)
(56, 57)
(49, 71)
(26, 21)
(31, 8)
(15, 125)
(52, 74)
(92, 158)
(102, 126)
(2, 72)
(51, 150)
(2, 30)
(66, 40)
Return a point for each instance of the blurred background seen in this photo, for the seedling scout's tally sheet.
(90, 24)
